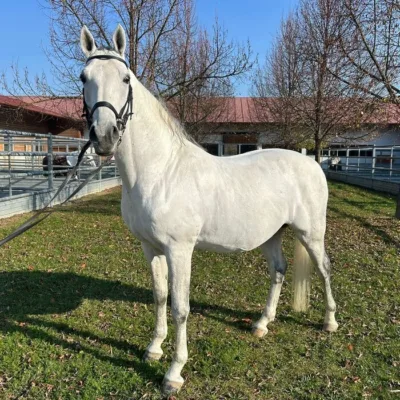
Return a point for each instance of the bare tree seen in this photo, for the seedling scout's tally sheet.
(198, 84)
(275, 86)
(369, 42)
(323, 107)
(311, 100)
(166, 50)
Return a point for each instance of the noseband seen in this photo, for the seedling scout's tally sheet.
(126, 110)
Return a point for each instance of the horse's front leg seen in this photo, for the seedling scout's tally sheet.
(159, 274)
(179, 267)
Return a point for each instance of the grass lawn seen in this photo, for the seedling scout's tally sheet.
(76, 312)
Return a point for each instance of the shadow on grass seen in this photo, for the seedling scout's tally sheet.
(26, 295)
(102, 206)
(367, 203)
(374, 229)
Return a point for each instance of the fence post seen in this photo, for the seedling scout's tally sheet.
(373, 160)
(391, 163)
(10, 149)
(50, 161)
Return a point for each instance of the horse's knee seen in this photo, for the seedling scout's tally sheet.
(160, 299)
(180, 315)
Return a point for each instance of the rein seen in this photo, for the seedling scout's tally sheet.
(122, 119)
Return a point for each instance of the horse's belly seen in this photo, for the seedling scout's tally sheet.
(238, 234)
(222, 248)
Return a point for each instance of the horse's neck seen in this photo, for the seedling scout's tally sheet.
(149, 142)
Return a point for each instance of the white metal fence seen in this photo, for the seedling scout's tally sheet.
(35, 162)
(33, 166)
(380, 163)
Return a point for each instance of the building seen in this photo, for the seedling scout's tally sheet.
(41, 115)
(236, 128)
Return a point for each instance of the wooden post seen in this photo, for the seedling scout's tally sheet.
(398, 206)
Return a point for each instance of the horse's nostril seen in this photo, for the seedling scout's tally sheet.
(115, 132)
(92, 135)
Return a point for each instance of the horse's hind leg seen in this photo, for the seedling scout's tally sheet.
(272, 250)
(316, 249)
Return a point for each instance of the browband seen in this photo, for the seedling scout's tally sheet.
(107, 57)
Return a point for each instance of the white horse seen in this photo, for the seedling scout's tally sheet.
(176, 198)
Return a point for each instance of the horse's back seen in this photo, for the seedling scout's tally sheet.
(279, 169)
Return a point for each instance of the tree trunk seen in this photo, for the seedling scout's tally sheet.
(318, 151)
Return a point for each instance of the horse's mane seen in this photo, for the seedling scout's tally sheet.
(173, 123)
(159, 108)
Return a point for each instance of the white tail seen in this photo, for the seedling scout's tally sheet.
(302, 268)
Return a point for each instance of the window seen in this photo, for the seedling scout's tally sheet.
(353, 153)
(244, 148)
(8, 145)
(365, 153)
(230, 149)
(211, 148)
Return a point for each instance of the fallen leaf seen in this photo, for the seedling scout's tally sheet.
(350, 347)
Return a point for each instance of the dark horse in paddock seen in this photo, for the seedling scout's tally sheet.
(60, 163)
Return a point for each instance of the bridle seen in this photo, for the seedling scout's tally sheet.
(126, 110)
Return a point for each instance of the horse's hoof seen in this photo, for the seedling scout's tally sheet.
(259, 332)
(170, 387)
(149, 356)
(332, 327)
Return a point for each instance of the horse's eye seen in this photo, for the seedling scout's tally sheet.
(127, 79)
(82, 77)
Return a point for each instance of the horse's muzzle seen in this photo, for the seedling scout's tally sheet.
(104, 140)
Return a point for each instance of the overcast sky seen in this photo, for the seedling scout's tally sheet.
(24, 28)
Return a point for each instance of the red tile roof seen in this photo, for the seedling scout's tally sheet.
(70, 108)
(238, 110)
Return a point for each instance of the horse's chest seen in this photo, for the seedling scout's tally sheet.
(144, 221)
(137, 220)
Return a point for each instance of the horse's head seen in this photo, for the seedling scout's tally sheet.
(107, 91)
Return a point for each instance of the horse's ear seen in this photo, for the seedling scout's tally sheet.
(119, 40)
(87, 42)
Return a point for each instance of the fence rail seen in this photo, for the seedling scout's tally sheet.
(38, 163)
(375, 162)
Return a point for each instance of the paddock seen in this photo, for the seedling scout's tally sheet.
(369, 166)
(27, 184)
(75, 320)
